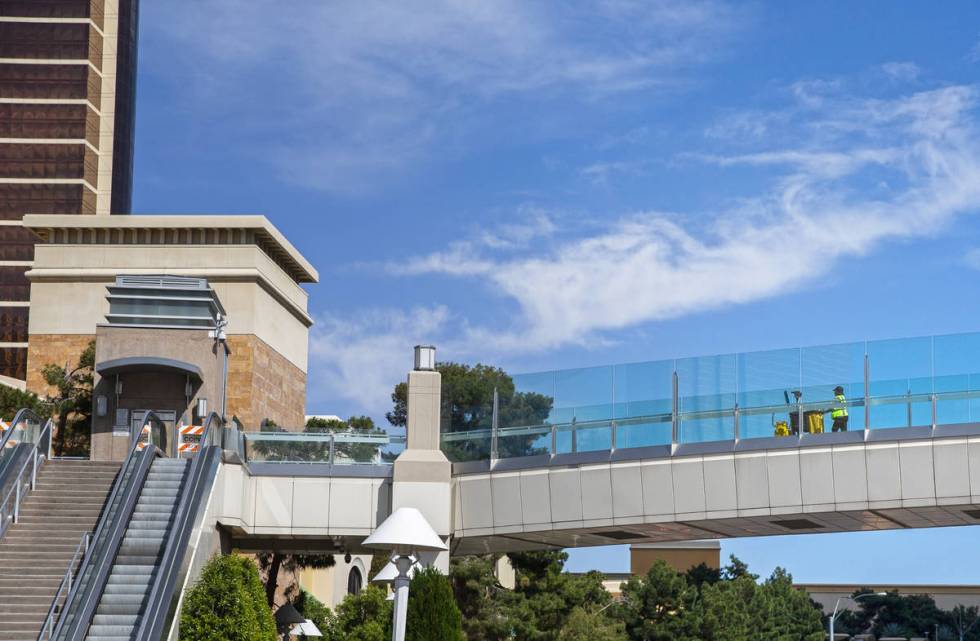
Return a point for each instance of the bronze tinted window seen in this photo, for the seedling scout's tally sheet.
(42, 161)
(43, 40)
(13, 284)
(44, 81)
(13, 324)
(43, 121)
(16, 243)
(45, 8)
(17, 200)
(13, 362)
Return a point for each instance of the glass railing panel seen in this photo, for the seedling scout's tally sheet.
(824, 368)
(467, 445)
(523, 441)
(900, 382)
(286, 447)
(532, 402)
(644, 390)
(584, 394)
(767, 385)
(643, 432)
(588, 437)
(956, 370)
(706, 398)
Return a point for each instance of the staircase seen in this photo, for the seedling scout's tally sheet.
(35, 552)
(126, 591)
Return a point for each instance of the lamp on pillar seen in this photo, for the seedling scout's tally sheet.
(405, 533)
(425, 358)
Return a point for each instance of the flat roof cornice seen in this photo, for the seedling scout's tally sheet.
(271, 240)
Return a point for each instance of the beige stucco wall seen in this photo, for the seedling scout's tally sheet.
(68, 294)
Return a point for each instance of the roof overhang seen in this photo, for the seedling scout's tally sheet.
(270, 239)
(130, 364)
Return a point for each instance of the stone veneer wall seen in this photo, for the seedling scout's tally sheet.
(264, 384)
(44, 349)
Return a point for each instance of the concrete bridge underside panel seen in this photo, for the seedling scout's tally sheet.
(878, 485)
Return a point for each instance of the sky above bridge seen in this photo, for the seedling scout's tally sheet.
(545, 185)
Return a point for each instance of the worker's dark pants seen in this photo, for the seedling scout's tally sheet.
(840, 424)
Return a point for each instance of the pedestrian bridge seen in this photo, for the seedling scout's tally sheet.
(661, 451)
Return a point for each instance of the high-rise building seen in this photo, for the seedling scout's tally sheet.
(67, 103)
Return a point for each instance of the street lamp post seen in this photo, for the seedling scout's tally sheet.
(833, 617)
(405, 533)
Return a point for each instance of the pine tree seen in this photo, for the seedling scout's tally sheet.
(227, 604)
(432, 613)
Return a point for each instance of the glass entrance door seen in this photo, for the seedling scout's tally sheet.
(165, 440)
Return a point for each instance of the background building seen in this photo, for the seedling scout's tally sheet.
(151, 288)
(67, 100)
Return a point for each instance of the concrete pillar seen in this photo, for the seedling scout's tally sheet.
(423, 475)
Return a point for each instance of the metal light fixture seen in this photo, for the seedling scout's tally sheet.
(425, 357)
(406, 533)
(202, 407)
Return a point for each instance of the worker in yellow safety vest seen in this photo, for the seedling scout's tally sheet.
(839, 413)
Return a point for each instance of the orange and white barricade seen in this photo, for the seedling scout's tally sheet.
(189, 439)
(143, 438)
(4, 426)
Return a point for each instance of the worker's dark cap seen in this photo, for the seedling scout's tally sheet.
(838, 390)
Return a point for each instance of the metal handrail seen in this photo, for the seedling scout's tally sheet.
(66, 584)
(165, 578)
(15, 490)
(115, 533)
(17, 420)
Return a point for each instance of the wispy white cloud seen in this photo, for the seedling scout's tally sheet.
(906, 167)
(359, 357)
(357, 90)
(901, 71)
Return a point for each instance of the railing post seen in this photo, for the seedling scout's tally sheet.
(673, 412)
(574, 436)
(932, 399)
(34, 455)
(867, 393)
(554, 439)
(494, 424)
(908, 406)
(612, 436)
(735, 416)
(333, 440)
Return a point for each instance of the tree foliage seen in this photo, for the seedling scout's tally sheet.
(272, 565)
(467, 405)
(314, 610)
(227, 604)
(583, 625)
(909, 615)
(432, 613)
(362, 617)
(72, 402)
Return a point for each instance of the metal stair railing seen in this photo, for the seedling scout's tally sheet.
(76, 614)
(66, 584)
(23, 479)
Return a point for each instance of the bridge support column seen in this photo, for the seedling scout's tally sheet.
(423, 474)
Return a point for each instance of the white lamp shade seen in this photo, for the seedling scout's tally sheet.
(405, 532)
(389, 572)
(307, 628)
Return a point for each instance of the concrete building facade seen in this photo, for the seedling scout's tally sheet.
(67, 101)
(249, 272)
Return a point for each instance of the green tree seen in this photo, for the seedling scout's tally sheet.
(660, 606)
(963, 620)
(227, 604)
(432, 613)
(490, 612)
(314, 610)
(467, 405)
(13, 399)
(72, 403)
(782, 612)
(583, 625)
(724, 612)
(362, 617)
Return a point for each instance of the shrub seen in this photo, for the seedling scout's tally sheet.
(227, 604)
(432, 612)
(314, 610)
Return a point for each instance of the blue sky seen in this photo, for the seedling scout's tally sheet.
(544, 185)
